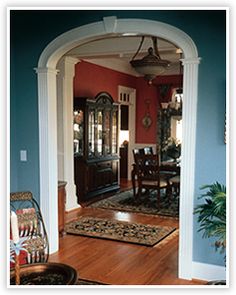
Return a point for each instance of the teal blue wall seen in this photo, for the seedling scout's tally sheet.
(31, 31)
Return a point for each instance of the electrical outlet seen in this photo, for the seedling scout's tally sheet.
(23, 155)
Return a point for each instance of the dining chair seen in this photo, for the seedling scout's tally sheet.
(149, 176)
(148, 150)
(175, 184)
(136, 151)
(31, 226)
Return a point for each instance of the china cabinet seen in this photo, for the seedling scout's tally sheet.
(96, 159)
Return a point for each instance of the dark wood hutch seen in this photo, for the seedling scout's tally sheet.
(96, 159)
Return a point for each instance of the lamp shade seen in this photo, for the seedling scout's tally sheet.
(150, 65)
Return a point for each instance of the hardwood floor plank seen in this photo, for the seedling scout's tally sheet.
(119, 263)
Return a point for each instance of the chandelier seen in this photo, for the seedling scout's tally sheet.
(150, 65)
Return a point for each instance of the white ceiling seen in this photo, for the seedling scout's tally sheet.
(116, 52)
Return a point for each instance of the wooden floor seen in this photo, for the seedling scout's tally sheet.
(119, 263)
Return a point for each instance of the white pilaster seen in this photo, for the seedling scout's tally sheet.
(132, 128)
(188, 166)
(65, 82)
(132, 122)
(48, 152)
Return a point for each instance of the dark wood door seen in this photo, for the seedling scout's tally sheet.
(124, 162)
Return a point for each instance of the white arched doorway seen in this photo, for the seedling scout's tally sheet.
(47, 96)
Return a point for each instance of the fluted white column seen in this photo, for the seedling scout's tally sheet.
(48, 152)
(65, 82)
(190, 87)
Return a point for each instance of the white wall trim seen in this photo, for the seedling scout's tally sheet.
(187, 175)
(65, 81)
(49, 59)
(132, 123)
(208, 272)
(47, 105)
(70, 39)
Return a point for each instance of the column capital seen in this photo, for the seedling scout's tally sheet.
(66, 66)
(71, 60)
(46, 71)
(186, 61)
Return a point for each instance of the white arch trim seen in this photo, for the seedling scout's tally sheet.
(111, 26)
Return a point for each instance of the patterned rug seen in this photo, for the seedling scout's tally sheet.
(147, 204)
(136, 233)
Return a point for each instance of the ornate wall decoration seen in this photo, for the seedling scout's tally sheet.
(147, 120)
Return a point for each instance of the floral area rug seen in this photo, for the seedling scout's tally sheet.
(137, 233)
(146, 203)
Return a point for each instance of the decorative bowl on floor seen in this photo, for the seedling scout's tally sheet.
(219, 282)
(45, 274)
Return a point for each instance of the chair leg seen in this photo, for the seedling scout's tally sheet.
(133, 182)
(139, 192)
(158, 198)
(169, 193)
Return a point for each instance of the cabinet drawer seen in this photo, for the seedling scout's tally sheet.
(104, 165)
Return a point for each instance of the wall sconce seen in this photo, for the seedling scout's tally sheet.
(164, 105)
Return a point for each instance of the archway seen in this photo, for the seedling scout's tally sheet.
(46, 71)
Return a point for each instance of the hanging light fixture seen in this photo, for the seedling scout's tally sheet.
(150, 65)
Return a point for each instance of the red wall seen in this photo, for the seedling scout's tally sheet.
(90, 79)
(146, 92)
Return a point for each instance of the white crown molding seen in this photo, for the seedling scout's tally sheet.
(115, 65)
(54, 50)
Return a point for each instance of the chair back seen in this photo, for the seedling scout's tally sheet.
(136, 152)
(31, 225)
(148, 168)
(148, 150)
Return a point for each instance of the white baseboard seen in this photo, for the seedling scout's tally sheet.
(208, 272)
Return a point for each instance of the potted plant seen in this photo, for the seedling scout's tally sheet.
(212, 216)
(172, 148)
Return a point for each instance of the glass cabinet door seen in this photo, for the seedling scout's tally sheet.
(114, 131)
(106, 133)
(79, 132)
(99, 132)
(91, 133)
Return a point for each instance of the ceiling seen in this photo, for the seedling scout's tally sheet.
(116, 52)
